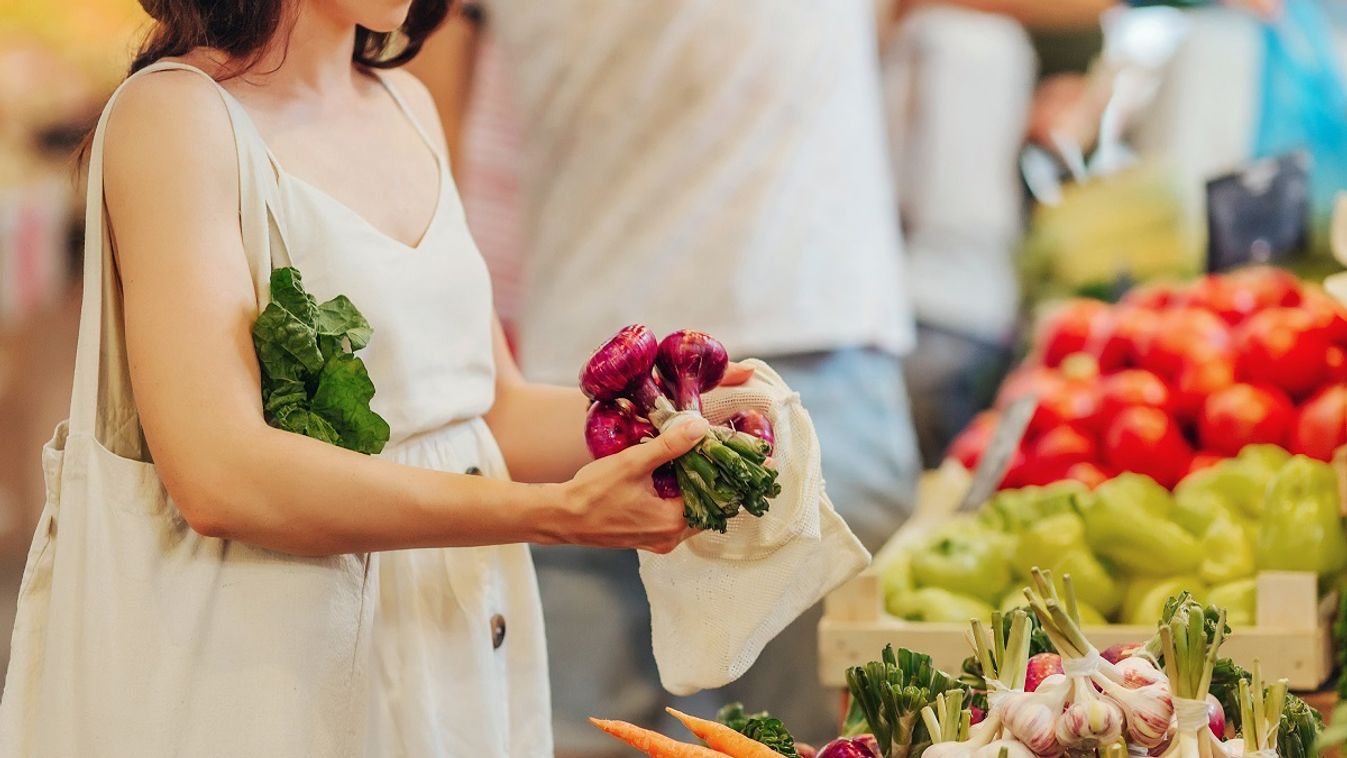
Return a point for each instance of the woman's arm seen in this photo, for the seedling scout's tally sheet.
(540, 428)
(171, 185)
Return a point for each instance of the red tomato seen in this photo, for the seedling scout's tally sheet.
(1063, 446)
(1073, 402)
(1147, 441)
(1075, 326)
(1129, 387)
(1271, 287)
(1336, 358)
(1204, 460)
(967, 447)
(1244, 414)
(1224, 297)
(1079, 367)
(1328, 314)
(1183, 336)
(1133, 329)
(1285, 348)
(1321, 425)
(1197, 380)
(1089, 474)
(1019, 473)
(1155, 296)
(1026, 380)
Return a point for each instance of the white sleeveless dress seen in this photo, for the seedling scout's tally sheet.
(460, 660)
(273, 654)
(461, 663)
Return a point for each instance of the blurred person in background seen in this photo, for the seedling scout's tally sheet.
(962, 92)
(716, 166)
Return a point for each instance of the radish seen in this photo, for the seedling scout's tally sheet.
(1041, 667)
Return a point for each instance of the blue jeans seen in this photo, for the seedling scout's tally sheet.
(598, 623)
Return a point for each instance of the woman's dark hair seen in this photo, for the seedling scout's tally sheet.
(242, 28)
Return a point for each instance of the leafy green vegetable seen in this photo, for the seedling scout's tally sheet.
(759, 727)
(312, 383)
(1183, 607)
(972, 675)
(1300, 725)
(887, 697)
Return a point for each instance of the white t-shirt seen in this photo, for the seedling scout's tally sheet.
(709, 164)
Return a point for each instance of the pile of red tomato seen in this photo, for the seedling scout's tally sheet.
(1176, 377)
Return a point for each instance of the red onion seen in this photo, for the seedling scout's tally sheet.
(1041, 667)
(619, 363)
(1215, 716)
(845, 748)
(666, 482)
(755, 423)
(691, 363)
(612, 426)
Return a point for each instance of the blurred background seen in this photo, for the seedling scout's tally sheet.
(1038, 149)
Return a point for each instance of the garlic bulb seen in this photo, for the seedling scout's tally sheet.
(1148, 710)
(1090, 720)
(1012, 748)
(1138, 672)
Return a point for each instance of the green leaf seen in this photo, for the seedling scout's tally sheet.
(339, 318)
(281, 395)
(286, 347)
(343, 398)
(287, 291)
(300, 420)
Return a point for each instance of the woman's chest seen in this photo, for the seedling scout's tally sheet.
(429, 305)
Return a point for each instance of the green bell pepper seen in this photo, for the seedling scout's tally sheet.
(1043, 542)
(1239, 599)
(895, 577)
(974, 563)
(1012, 511)
(1301, 528)
(1139, 491)
(938, 605)
(1227, 552)
(1125, 526)
(1058, 543)
(1235, 486)
(1144, 599)
(1204, 496)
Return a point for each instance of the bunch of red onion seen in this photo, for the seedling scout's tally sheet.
(641, 387)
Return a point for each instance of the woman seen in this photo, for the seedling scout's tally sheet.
(360, 200)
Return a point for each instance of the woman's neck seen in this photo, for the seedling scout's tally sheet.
(312, 56)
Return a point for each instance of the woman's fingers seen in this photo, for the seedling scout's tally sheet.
(655, 452)
(736, 374)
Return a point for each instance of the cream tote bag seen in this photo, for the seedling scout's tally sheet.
(135, 635)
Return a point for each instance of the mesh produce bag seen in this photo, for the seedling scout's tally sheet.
(718, 599)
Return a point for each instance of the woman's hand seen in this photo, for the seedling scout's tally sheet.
(736, 374)
(612, 502)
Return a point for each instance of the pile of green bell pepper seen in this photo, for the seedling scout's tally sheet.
(1130, 544)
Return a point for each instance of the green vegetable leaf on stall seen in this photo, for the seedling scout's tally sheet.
(759, 727)
(312, 383)
(887, 697)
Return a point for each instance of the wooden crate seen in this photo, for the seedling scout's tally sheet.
(1291, 637)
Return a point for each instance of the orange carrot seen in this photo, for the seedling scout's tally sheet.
(653, 744)
(723, 738)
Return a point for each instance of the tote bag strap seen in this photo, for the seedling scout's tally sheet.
(100, 358)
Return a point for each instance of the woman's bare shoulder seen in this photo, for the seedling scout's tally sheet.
(171, 119)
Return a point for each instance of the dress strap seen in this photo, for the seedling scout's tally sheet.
(407, 113)
(100, 358)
